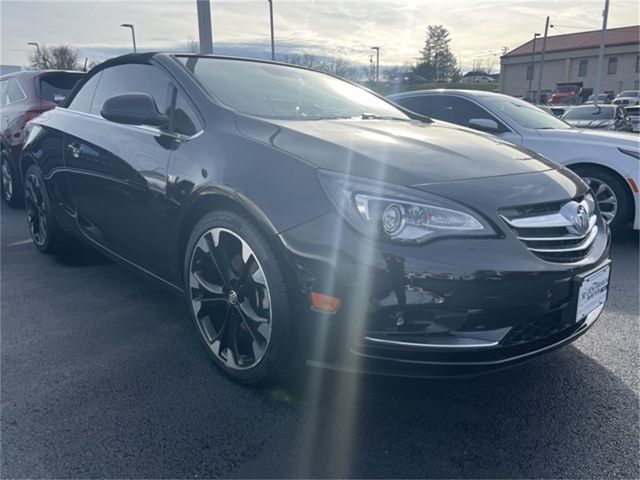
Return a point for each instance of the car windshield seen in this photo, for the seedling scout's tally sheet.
(590, 113)
(282, 92)
(630, 93)
(525, 114)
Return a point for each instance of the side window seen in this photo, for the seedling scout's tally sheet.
(133, 78)
(458, 110)
(3, 95)
(419, 104)
(185, 119)
(81, 102)
(11, 91)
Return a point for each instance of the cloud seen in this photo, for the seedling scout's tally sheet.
(325, 27)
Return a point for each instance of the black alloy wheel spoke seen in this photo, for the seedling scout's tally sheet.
(219, 257)
(230, 298)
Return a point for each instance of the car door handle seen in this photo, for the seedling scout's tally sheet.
(75, 149)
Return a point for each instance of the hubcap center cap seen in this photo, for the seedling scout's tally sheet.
(232, 297)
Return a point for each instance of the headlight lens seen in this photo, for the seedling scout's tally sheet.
(396, 213)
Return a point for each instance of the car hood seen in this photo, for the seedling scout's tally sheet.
(596, 137)
(400, 152)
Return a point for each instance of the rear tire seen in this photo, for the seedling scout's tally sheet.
(239, 302)
(45, 232)
(12, 192)
(611, 194)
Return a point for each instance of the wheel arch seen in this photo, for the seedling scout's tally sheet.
(610, 171)
(213, 198)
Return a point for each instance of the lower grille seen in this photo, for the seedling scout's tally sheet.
(564, 233)
(536, 329)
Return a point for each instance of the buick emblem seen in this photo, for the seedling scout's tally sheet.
(577, 216)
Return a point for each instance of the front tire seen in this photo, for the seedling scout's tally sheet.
(611, 194)
(12, 193)
(238, 299)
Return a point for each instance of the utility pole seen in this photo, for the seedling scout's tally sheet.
(377, 49)
(133, 34)
(204, 26)
(544, 48)
(273, 44)
(603, 34)
(533, 52)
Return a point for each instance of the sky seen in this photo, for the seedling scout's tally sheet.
(479, 28)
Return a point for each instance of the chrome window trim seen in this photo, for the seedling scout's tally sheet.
(143, 128)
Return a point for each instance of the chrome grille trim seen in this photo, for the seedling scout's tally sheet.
(581, 246)
(555, 234)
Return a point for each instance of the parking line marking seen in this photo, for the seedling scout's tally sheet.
(21, 242)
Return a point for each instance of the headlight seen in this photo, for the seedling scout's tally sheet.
(397, 213)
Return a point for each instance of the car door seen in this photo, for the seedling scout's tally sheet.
(118, 173)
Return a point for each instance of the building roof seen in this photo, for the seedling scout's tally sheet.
(580, 40)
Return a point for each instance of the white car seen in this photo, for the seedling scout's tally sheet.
(608, 161)
(628, 97)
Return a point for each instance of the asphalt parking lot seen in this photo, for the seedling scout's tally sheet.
(102, 376)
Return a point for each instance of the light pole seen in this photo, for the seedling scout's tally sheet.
(273, 45)
(533, 51)
(40, 60)
(377, 49)
(133, 34)
(544, 48)
(603, 33)
(205, 32)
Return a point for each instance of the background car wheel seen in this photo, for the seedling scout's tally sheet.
(12, 192)
(611, 195)
(238, 298)
(45, 233)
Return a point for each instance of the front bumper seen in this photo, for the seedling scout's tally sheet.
(454, 307)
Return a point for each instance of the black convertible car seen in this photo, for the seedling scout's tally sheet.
(306, 219)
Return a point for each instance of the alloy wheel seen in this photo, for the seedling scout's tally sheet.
(35, 207)
(606, 198)
(7, 180)
(230, 298)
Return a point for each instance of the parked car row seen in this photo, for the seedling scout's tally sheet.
(605, 117)
(607, 161)
(23, 96)
(306, 219)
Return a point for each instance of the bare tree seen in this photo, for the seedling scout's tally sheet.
(61, 57)
(337, 66)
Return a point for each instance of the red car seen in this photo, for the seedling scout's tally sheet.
(23, 96)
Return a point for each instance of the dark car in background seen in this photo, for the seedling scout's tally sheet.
(23, 96)
(605, 117)
(304, 218)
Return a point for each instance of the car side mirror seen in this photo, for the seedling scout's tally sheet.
(134, 109)
(484, 124)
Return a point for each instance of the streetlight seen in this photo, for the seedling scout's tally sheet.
(133, 34)
(377, 49)
(273, 46)
(39, 58)
(544, 49)
(533, 51)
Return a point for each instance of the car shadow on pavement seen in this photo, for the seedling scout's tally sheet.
(562, 415)
(77, 254)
